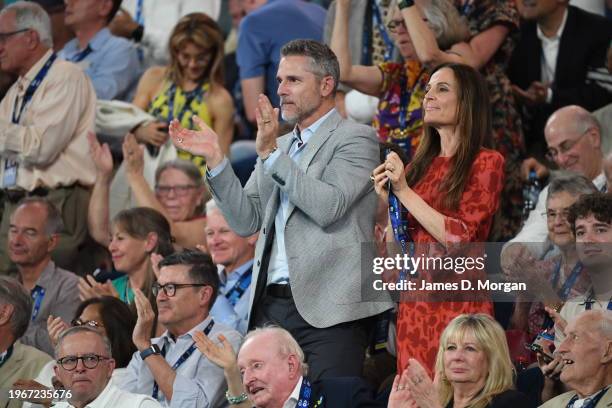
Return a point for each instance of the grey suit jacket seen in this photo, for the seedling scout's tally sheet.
(562, 400)
(331, 213)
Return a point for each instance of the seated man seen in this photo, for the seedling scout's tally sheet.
(33, 234)
(167, 367)
(587, 352)
(274, 375)
(111, 62)
(17, 361)
(235, 254)
(84, 366)
(44, 121)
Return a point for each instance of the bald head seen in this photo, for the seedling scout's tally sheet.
(574, 142)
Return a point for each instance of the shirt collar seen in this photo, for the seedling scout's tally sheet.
(305, 134)
(96, 42)
(166, 337)
(102, 400)
(600, 181)
(47, 276)
(295, 394)
(236, 273)
(31, 74)
(557, 35)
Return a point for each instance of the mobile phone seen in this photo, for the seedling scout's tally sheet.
(536, 348)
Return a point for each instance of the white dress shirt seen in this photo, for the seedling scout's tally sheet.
(295, 395)
(113, 397)
(550, 52)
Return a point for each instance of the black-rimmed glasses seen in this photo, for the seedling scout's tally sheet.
(91, 323)
(170, 288)
(6, 36)
(90, 361)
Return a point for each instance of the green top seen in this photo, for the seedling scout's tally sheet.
(122, 286)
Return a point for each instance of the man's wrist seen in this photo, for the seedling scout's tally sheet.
(402, 4)
(266, 155)
(144, 345)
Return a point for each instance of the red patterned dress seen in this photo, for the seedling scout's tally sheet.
(420, 323)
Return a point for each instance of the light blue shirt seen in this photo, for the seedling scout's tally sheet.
(112, 65)
(223, 311)
(278, 269)
(241, 308)
(199, 383)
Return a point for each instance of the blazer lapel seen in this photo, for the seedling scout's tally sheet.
(568, 43)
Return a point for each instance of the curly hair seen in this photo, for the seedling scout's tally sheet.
(599, 205)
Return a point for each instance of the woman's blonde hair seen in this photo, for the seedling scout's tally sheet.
(444, 20)
(202, 31)
(492, 339)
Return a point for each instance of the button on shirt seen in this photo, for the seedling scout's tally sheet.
(50, 141)
(278, 270)
(199, 382)
(112, 64)
(242, 305)
(113, 397)
(550, 52)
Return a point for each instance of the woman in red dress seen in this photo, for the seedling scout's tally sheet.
(451, 191)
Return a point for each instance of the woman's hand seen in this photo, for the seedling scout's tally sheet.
(101, 156)
(133, 155)
(89, 288)
(222, 355)
(421, 386)
(400, 396)
(392, 170)
(154, 133)
(55, 326)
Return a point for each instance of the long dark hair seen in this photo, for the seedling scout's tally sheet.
(474, 124)
(119, 322)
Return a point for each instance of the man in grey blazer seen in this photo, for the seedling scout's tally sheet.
(311, 199)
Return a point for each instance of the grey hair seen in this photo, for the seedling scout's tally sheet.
(448, 26)
(569, 182)
(287, 344)
(82, 329)
(323, 61)
(211, 205)
(603, 320)
(30, 15)
(191, 170)
(13, 293)
(55, 223)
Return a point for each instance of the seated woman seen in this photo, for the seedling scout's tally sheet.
(192, 84)
(450, 191)
(473, 369)
(562, 276)
(136, 234)
(400, 87)
(179, 193)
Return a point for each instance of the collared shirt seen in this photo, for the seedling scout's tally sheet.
(199, 382)
(295, 395)
(242, 305)
(61, 299)
(112, 64)
(159, 18)
(50, 141)
(223, 312)
(278, 270)
(550, 52)
(113, 397)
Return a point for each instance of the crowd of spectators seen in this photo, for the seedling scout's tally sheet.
(194, 194)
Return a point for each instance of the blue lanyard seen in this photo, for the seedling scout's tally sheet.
(32, 89)
(139, 14)
(377, 20)
(38, 294)
(80, 56)
(588, 303)
(182, 358)
(236, 292)
(466, 8)
(8, 354)
(400, 230)
(564, 291)
(590, 402)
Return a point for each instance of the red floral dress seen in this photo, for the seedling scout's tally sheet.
(420, 323)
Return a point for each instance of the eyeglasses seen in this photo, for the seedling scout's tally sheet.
(551, 215)
(90, 361)
(564, 147)
(91, 323)
(179, 191)
(6, 36)
(170, 288)
(394, 25)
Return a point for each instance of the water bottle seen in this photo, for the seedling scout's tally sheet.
(531, 192)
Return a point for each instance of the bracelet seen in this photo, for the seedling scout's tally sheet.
(269, 154)
(235, 400)
(402, 4)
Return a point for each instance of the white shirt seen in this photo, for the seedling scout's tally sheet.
(159, 18)
(550, 52)
(295, 395)
(113, 397)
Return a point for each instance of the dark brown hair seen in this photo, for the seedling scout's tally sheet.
(203, 32)
(474, 125)
(599, 205)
